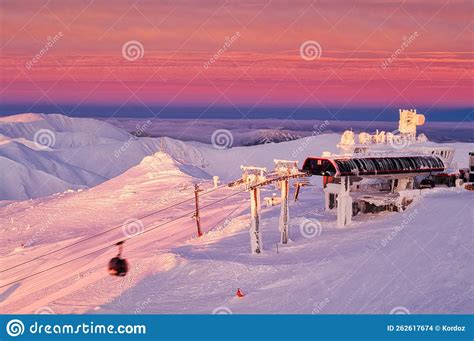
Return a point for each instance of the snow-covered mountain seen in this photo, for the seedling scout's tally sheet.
(45, 154)
(271, 136)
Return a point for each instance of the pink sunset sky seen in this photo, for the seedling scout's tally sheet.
(372, 52)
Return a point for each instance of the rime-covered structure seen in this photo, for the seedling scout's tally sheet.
(379, 171)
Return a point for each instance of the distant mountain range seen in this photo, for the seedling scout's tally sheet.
(284, 112)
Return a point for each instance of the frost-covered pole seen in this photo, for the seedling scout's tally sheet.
(285, 168)
(255, 233)
(344, 203)
(196, 214)
(253, 177)
(297, 191)
(284, 218)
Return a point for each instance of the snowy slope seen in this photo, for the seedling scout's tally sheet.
(20, 182)
(32, 228)
(156, 181)
(425, 267)
(49, 163)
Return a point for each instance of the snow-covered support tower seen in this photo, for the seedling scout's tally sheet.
(284, 168)
(256, 177)
(252, 176)
(284, 215)
(344, 203)
(337, 195)
(255, 233)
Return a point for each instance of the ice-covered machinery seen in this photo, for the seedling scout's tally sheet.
(403, 141)
(409, 120)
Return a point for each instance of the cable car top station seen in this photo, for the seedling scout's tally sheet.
(384, 171)
(381, 171)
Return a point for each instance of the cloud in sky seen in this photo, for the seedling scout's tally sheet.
(368, 56)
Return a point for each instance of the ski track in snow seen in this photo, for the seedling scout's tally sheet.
(426, 265)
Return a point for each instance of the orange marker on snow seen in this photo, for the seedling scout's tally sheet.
(240, 293)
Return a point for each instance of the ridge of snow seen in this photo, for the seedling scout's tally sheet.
(26, 117)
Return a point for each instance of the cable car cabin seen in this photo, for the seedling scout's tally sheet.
(118, 266)
(373, 166)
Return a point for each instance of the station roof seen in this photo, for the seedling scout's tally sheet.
(372, 166)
